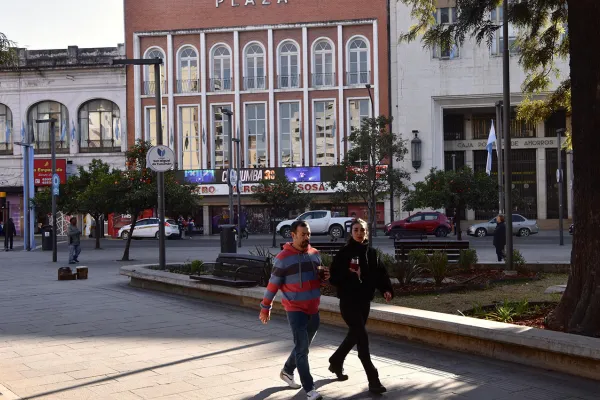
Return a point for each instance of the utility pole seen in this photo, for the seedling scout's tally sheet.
(499, 134)
(53, 152)
(229, 114)
(560, 180)
(27, 191)
(507, 139)
(239, 192)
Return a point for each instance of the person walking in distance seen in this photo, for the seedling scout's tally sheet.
(500, 237)
(356, 272)
(297, 271)
(74, 235)
(9, 233)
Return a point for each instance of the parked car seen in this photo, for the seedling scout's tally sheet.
(321, 223)
(571, 229)
(148, 228)
(521, 227)
(432, 223)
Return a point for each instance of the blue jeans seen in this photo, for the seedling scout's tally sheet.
(74, 251)
(304, 328)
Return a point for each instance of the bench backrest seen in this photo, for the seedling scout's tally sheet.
(451, 248)
(325, 248)
(243, 267)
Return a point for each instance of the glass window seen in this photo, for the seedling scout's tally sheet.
(323, 74)
(320, 214)
(149, 79)
(255, 67)
(221, 69)
(290, 137)
(220, 135)
(430, 217)
(324, 115)
(288, 66)
(306, 216)
(415, 218)
(498, 42)
(445, 16)
(358, 110)
(188, 71)
(151, 134)
(190, 134)
(358, 73)
(256, 136)
(41, 132)
(517, 218)
(99, 126)
(6, 129)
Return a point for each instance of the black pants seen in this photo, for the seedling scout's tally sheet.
(355, 315)
(8, 239)
(500, 253)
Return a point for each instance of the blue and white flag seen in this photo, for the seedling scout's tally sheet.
(22, 132)
(118, 129)
(63, 133)
(490, 147)
(7, 134)
(203, 135)
(72, 130)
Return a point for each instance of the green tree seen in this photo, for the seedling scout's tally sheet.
(454, 190)
(366, 176)
(543, 39)
(281, 196)
(8, 53)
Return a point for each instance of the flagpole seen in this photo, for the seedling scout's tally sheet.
(499, 153)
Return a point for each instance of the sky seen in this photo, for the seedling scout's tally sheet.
(44, 24)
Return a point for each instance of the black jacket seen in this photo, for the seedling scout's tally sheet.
(9, 229)
(500, 235)
(373, 273)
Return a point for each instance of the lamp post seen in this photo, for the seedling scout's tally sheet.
(559, 179)
(368, 86)
(229, 114)
(237, 142)
(415, 147)
(499, 153)
(52, 122)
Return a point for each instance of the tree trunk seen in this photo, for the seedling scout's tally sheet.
(458, 230)
(98, 231)
(579, 308)
(128, 244)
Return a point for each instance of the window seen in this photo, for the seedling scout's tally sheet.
(149, 78)
(319, 214)
(358, 110)
(187, 81)
(416, 218)
(6, 130)
(323, 67)
(190, 134)
(290, 138)
(445, 16)
(430, 217)
(482, 124)
(151, 134)
(288, 66)
(517, 218)
(454, 127)
(256, 136)
(255, 67)
(220, 135)
(324, 115)
(358, 62)
(41, 132)
(99, 127)
(221, 69)
(306, 216)
(498, 42)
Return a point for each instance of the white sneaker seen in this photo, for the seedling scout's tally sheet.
(313, 395)
(289, 379)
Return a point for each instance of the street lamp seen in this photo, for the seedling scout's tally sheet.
(368, 86)
(52, 122)
(415, 146)
(237, 142)
(559, 179)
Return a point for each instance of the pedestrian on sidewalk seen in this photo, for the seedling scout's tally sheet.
(356, 272)
(9, 233)
(500, 237)
(74, 241)
(296, 271)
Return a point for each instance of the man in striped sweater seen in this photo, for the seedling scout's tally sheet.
(296, 273)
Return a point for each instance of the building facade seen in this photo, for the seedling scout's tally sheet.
(297, 75)
(83, 92)
(449, 96)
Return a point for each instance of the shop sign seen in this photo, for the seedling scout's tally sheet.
(251, 188)
(520, 143)
(42, 171)
(237, 3)
(256, 175)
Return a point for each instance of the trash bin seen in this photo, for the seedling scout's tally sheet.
(228, 240)
(46, 232)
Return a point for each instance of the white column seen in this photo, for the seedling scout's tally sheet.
(170, 100)
(238, 85)
(376, 67)
(542, 205)
(137, 93)
(271, 114)
(341, 119)
(305, 74)
(204, 130)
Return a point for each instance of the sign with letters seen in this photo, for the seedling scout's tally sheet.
(42, 171)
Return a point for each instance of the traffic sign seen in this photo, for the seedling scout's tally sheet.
(55, 184)
(160, 158)
(233, 178)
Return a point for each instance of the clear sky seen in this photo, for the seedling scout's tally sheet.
(44, 24)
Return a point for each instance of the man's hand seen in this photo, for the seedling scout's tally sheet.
(265, 316)
(388, 296)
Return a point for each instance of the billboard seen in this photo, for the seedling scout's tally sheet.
(42, 171)
(303, 174)
(199, 176)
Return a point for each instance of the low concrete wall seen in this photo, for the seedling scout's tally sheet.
(572, 354)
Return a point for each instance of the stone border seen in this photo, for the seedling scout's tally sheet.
(572, 354)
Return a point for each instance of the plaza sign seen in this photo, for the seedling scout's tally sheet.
(237, 3)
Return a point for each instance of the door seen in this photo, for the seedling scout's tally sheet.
(430, 222)
(414, 222)
(491, 226)
(517, 222)
(320, 222)
(140, 225)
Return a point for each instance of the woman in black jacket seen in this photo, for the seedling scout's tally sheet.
(500, 237)
(356, 289)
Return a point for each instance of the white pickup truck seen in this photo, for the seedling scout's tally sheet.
(321, 222)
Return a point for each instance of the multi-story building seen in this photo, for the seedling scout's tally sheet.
(83, 91)
(297, 75)
(449, 94)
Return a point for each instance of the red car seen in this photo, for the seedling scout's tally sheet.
(430, 223)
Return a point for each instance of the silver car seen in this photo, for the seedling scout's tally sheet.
(521, 227)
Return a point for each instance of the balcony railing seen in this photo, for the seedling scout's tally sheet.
(358, 78)
(99, 146)
(150, 88)
(288, 81)
(221, 84)
(254, 82)
(188, 86)
(6, 149)
(44, 147)
(454, 136)
(320, 80)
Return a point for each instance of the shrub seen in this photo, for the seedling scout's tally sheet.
(262, 251)
(417, 260)
(519, 262)
(468, 258)
(438, 264)
(196, 267)
(326, 259)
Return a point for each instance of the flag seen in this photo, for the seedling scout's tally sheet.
(72, 131)
(7, 133)
(489, 147)
(22, 132)
(63, 133)
(203, 135)
(117, 129)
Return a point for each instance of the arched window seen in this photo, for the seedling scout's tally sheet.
(187, 73)
(358, 62)
(6, 130)
(41, 132)
(323, 64)
(221, 68)
(99, 127)
(149, 79)
(255, 67)
(289, 76)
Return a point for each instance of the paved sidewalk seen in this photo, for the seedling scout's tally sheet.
(100, 339)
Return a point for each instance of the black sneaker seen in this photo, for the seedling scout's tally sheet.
(339, 372)
(377, 387)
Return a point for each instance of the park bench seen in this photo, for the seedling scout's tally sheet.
(325, 248)
(401, 234)
(451, 247)
(237, 270)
